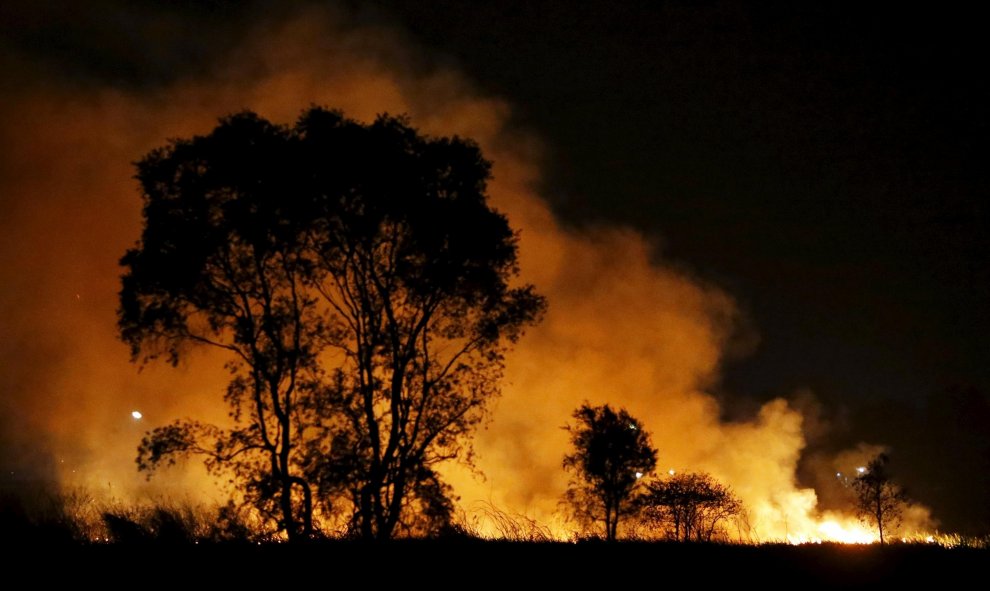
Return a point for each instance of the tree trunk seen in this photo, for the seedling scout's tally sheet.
(307, 516)
(879, 512)
(366, 513)
(285, 502)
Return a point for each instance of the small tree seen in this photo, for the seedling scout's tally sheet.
(689, 506)
(612, 454)
(879, 501)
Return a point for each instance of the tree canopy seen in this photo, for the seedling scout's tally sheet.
(612, 454)
(689, 506)
(363, 288)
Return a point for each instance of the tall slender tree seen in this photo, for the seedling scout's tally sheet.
(879, 500)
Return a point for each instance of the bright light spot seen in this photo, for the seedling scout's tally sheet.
(930, 539)
(639, 475)
(137, 415)
(671, 472)
(861, 469)
(632, 426)
(838, 474)
(848, 534)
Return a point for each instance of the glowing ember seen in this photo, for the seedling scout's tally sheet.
(137, 415)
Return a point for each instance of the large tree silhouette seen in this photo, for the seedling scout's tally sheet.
(612, 454)
(222, 262)
(361, 283)
(415, 268)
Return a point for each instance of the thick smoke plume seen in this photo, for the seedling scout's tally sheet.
(622, 328)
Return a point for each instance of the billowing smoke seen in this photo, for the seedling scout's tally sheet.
(622, 327)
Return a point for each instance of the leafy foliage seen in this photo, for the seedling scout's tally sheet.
(612, 454)
(414, 269)
(360, 282)
(689, 506)
(220, 262)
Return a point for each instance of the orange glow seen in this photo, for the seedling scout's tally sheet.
(624, 326)
(847, 533)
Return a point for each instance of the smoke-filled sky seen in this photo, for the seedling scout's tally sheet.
(761, 230)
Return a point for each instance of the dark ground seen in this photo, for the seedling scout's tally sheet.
(478, 564)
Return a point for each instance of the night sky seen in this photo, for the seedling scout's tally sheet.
(823, 163)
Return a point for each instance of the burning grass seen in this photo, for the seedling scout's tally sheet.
(76, 518)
